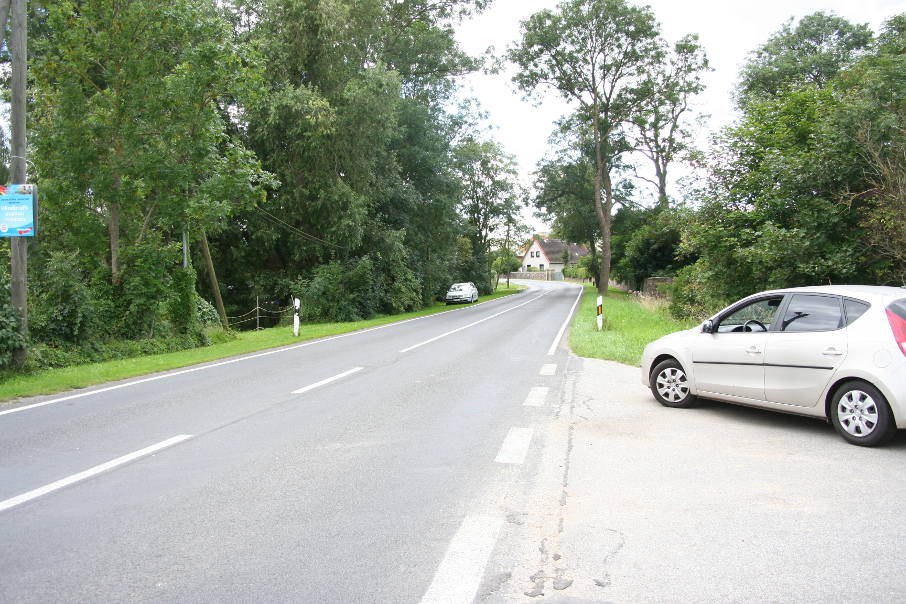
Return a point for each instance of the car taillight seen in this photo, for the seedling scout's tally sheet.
(896, 314)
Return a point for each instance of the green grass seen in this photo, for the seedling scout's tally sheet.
(628, 327)
(50, 381)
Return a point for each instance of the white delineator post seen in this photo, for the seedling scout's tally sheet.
(600, 317)
(296, 303)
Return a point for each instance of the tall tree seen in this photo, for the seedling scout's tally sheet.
(600, 55)
(771, 213)
(353, 122)
(131, 121)
(812, 52)
(489, 193)
(661, 126)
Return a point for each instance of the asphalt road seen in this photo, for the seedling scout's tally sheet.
(370, 467)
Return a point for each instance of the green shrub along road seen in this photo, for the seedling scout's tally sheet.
(50, 381)
(628, 327)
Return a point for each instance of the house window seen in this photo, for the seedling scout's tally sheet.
(541, 267)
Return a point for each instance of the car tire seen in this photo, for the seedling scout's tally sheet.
(861, 415)
(670, 386)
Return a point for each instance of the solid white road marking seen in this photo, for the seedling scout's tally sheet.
(515, 446)
(536, 397)
(235, 360)
(459, 575)
(65, 482)
(328, 380)
(556, 342)
(449, 333)
(549, 369)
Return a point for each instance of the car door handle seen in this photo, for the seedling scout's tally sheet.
(832, 352)
(753, 350)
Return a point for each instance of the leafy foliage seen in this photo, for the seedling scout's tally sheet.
(811, 54)
(601, 55)
(64, 311)
(10, 337)
(811, 163)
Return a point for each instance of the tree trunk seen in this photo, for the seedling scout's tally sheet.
(113, 228)
(602, 212)
(661, 172)
(215, 286)
(113, 218)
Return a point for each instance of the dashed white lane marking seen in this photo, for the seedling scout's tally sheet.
(449, 333)
(556, 342)
(339, 376)
(65, 482)
(240, 359)
(459, 575)
(549, 369)
(515, 446)
(536, 397)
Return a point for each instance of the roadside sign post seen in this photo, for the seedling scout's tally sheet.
(600, 317)
(296, 304)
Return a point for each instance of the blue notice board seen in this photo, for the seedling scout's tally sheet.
(17, 210)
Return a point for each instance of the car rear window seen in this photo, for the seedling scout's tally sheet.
(854, 309)
(812, 312)
(898, 308)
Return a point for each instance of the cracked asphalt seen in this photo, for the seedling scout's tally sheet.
(635, 502)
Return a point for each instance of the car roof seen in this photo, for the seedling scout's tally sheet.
(855, 291)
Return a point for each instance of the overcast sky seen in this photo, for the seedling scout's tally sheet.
(728, 29)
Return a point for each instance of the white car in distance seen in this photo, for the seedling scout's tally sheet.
(462, 292)
(836, 352)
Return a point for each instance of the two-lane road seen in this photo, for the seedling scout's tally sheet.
(370, 467)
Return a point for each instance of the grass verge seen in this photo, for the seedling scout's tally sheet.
(628, 327)
(50, 381)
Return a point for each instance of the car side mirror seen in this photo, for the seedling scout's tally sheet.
(708, 326)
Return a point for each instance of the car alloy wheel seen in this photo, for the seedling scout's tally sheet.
(670, 385)
(861, 415)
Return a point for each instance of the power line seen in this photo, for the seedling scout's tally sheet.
(295, 229)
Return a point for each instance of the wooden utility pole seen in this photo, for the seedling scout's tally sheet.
(209, 262)
(19, 245)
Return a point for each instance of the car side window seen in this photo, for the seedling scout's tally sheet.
(757, 316)
(853, 309)
(812, 312)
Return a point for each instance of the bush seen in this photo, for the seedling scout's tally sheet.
(63, 308)
(691, 295)
(184, 303)
(340, 292)
(146, 289)
(43, 356)
(206, 313)
(575, 272)
(398, 287)
(10, 338)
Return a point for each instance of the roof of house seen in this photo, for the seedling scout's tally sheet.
(553, 249)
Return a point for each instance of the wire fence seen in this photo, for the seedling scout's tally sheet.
(270, 315)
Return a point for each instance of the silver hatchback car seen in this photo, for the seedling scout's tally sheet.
(837, 352)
